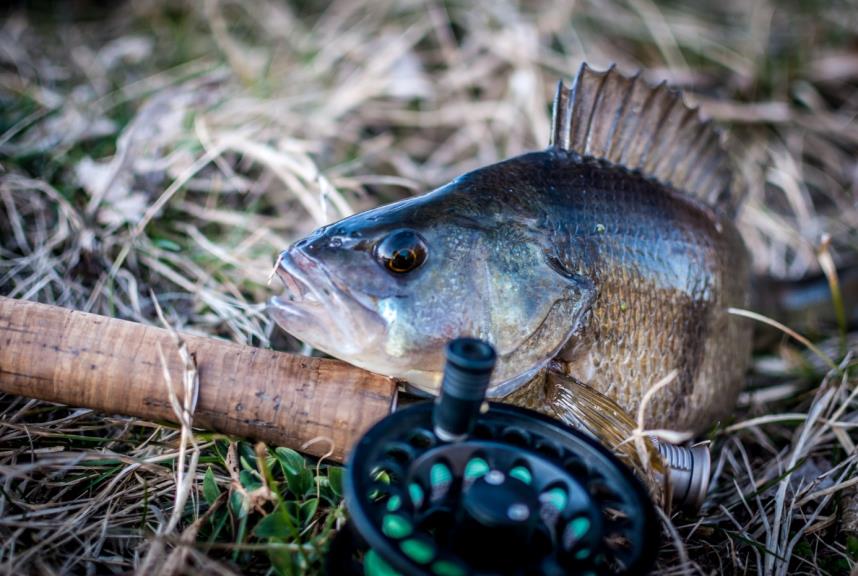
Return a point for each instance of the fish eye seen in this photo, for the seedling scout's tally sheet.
(401, 251)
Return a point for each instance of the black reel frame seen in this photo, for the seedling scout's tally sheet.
(502, 491)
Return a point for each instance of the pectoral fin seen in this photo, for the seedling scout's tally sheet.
(586, 409)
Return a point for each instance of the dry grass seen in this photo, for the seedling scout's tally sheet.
(174, 148)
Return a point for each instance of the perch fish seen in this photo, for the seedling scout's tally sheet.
(607, 262)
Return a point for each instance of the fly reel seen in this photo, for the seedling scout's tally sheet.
(460, 487)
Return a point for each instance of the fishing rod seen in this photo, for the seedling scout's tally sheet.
(432, 488)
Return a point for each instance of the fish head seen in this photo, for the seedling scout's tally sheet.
(387, 289)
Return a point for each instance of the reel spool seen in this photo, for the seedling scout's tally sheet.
(460, 487)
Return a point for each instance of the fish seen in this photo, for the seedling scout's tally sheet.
(601, 268)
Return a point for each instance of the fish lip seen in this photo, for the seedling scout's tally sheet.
(299, 289)
(297, 265)
(312, 292)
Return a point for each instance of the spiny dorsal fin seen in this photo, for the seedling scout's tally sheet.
(627, 122)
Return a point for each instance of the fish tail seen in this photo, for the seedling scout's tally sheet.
(647, 128)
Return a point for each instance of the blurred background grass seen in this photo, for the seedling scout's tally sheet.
(174, 148)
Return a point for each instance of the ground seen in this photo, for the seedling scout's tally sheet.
(170, 150)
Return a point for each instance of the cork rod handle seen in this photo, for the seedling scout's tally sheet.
(114, 366)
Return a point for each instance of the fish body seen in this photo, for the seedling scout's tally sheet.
(665, 269)
(610, 257)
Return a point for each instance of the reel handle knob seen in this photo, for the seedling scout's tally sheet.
(467, 373)
(498, 517)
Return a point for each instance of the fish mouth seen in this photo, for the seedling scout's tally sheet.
(300, 291)
(317, 309)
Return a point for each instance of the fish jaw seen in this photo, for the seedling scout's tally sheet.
(318, 311)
